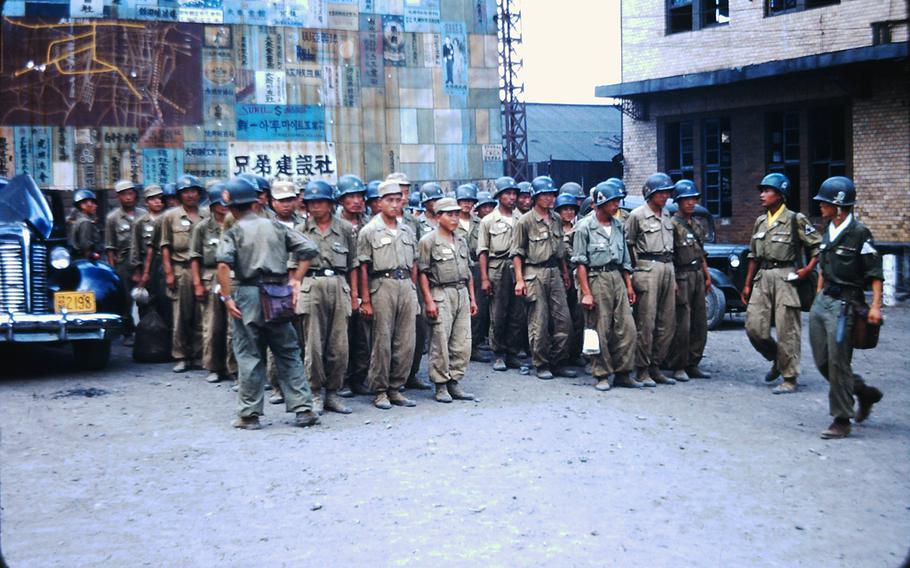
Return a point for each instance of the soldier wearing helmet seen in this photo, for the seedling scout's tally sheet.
(650, 236)
(605, 289)
(118, 233)
(692, 283)
(217, 354)
(567, 207)
(176, 229)
(350, 195)
(145, 258)
(169, 191)
(430, 192)
(778, 238)
(849, 262)
(84, 234)
(621, 213)
(468, 225)
(573, 189)
(524, 201)
(542, 278)
(328, 296)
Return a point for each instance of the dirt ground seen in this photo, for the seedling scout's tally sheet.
(148, 471)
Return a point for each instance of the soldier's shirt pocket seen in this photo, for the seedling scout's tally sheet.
(781, 237)
(444, 264)
(651, 227)
(339, 255)
(181, 236)
(539, 247)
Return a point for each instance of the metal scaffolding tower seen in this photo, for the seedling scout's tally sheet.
(515, 124)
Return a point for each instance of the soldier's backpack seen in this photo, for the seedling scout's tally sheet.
(152, 343)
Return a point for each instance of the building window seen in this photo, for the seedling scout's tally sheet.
(688, 15)
(782, 130)
(717, 160)
(714, 12)
(679, 147)
(827, 146)
(680, 16)
(775, 7)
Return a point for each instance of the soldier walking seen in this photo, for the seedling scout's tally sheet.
(118, 233)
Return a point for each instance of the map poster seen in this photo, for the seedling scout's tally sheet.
(162, 165)
(454, 58)
(371, 74)
(298, 162)
(280, 122)
(393, 41)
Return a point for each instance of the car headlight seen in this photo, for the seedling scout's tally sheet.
(734, 261)
(60, 258)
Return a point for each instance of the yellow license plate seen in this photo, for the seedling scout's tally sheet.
(75, 302)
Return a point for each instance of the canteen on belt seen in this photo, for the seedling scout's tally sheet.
(591, 344)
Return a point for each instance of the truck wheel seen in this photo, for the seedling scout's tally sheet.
(717, 306)
(92, 355)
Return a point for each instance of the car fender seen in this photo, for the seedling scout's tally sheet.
(100, 278)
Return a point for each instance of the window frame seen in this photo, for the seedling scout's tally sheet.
(721, 206)
(799, 6)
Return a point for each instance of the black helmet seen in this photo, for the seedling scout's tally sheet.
(573, 189)
(430, 191)
(621, 184)
(606, 191)
(778, 182)
(524, 187)
(258, 182)
(837, 190)
(188, 181)
(216, 193)
(318, 189)
(83, 195)
(466, 191)
(656, 182)
(685, 188)
(350, 184)
(504, 183)
(541, 185)
(240, 191)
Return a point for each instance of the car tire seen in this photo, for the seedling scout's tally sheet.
(92, 355)
(717, 306)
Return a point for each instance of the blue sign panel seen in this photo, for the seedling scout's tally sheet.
(280, 122)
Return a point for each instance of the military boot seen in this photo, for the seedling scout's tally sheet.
(415, 383)
(382, 401)
(276, 398)
(840, 428)
(772, 375)
(544, 373)
(695, 372)
(399, 399)
(499, 364)
(626, 380)
(307, 418)
(786, 387)
(335, 403)
(442, 393)
(603, 384)
(480, 356)
(181, 367)
(867, 397)
(317, 404)
(644, 378)
(565, 372)
(247, 423)
(658, 377)
(513, 362)
(457, 393)
(212, 377)
(680, 375)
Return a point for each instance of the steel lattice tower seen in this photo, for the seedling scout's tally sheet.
(515, 124)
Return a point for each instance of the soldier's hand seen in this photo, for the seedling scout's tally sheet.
(232, 309)
(486, 286)
(566, 281)
(802, 273)
(136, 278)
(355, 303)
(170, 280)
(432, 310)
(744, 295)
(366, 310)
(632, 296)
(144, 280)
(707, 282)
(474, 308)
(520, 289)
(587, 302)
(199, 292)
(875, 316)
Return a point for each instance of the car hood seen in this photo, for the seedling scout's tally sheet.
(22, 201)
(716, 249)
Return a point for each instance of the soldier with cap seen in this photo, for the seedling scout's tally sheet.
(467, 229)
(217, 354)
(524, 201)
(388, 288)
(406, 217)
(118, 232)
(849, 263)
(542, 278)
(256, 250)
(328, 296)
(605, 289)
(778, 237)
(649, 232)
(84, 234)
(284, 203)
(443, 260)
(693, 280)
(176, 229)
(144, 257)
(497, 276)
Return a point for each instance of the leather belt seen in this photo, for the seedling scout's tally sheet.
(687, 267)
(397, 274)
(771, 264)
(269, 279)
(552, 263)
(605, 268)
(837, 291)
(458, 285)
(322, 272)
(662, 257)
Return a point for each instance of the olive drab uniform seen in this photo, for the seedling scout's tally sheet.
(390, 256)
(84, 236)
(691, 306)
(494, 236)
(447, 265)
(143, 234)
(325, 304)
(420, 330)
(176, 228)
(605, 254)
(480, 324)
(359, 339)
(539, 242)
(118, 238)
(572, 298)
(774, 298)
(217, 354)
(257, 250)
(849, 262)
(650, 238)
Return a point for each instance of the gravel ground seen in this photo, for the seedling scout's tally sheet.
(148, 472)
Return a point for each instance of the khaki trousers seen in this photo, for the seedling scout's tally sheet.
(324, 331)
(775, 301)
(217, 334)
(691, 320)
(393, 334)
(549, 322)
(186, 338)
(613, 321)
(655, 311)
(450, 334)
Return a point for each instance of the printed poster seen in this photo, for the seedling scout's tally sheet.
(393, 41)
(454, 59)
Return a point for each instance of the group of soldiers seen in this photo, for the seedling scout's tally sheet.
(326, 292)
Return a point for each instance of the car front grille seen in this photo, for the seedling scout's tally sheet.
(13, 297)
(40, 302)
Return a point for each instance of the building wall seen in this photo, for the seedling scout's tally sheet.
(648, 52)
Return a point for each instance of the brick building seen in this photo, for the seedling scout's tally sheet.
(723, 91)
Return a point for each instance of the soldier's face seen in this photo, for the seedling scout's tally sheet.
(172, 201)
(567, 214)
(352, 203)
(155, 204)
(390, 205)
(405, 192)
(127, 198)
(610, 207)
(523, 201)
(769, 197)
(466, 206)
(659, 198)
(284, 207)
(545, 200)
(687, 205)
(507, 198)
(89, 207)
(448, 220)
(189, 197)
(485, 210)
(219, 210)
(319, 209)
(828, 211)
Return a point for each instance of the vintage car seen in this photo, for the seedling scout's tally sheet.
(727, 265)
(46, 297)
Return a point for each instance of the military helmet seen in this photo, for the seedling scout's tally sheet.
(372, 191)
(621, 184)
(606, 191)
(484, 198)
(258, 182)
(430, 191)
(566, 200)
(216, 193)
(169, 190)
(504, 183)
(573, 189)
(541, 185)
(837, 190)
(524, 187)
(240, 192)
(466, 191)
(778, 182)
(348, 184)
(685, 188)
(317, 189)
(414, 202)
(656, 182)
(82, 195)
(189, 181)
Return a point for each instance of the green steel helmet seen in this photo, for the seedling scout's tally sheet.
(504, 183)
(778, 182)
(414, 203)
(466, 191)
(837, 190)
(169, 190)
(566, 200)
(524, 187)
(350, 184)
(484, 198)
(216, 193)
(573, 189)
(258, 182)
(430, 191)
(656, 182)
(685, 188)
(541, 185)
(318, 189)
(82, 195)
(372, 190)
(607, 191)
(621, 184)
(241, 192)
(188, 181)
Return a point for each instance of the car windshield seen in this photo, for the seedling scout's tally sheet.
(21, 200)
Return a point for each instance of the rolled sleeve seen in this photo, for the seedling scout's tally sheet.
(196, 240)
(580, 246)
(226, 252)
(110, 232)
(425, 253)
(519, 240)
